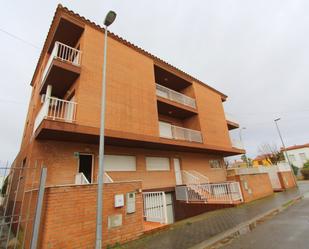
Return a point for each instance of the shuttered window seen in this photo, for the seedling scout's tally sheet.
(119, 163)
(157, 163)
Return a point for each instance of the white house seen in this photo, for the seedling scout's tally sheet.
(298, 154)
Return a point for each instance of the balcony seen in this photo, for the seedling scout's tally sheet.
(174, 104)
(56, 109)
(179, 133)
(172, 95)
(232, 123)
(237, 144)
(63, 66)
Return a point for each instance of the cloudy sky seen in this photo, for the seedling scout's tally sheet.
(256, 52)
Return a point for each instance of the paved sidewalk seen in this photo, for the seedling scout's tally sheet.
(192, 231)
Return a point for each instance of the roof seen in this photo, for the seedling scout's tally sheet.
(61, 9)
(263, 156)
(294, 147)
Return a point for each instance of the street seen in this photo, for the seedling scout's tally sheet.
(288, 229)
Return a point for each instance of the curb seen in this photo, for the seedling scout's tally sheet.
(220, 239)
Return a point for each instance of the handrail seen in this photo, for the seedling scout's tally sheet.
(179, 133)
(56, 109)
(170, 94)
(80, 178)
(62, 52)
(227, 192)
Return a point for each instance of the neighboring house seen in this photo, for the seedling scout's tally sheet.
(238, 164)
(163, 127)
(298, 154)
(264, 160)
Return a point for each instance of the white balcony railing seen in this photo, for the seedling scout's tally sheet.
(237, 144)
(64, 53)
(230, 118)
(176, 132)
(56, 109)
(170, 94)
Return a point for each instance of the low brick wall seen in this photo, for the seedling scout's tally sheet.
(69, 216)
(286, 179)
(253, 186)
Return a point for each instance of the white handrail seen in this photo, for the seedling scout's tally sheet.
(230, 117)
(64, 53)
(227, 192)
(179, 133)
(236, 143)
(56, 109)
(80, 178)
(193, 177)
(170, 94)
(107, 178)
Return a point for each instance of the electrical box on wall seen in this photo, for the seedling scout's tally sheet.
(119, 200)
(130, 200)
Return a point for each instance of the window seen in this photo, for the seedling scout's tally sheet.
(119, 163)
(215, 164)
(292, 158)
(157, 163)
(303, 157)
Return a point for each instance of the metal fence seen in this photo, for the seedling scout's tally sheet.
(19, 204)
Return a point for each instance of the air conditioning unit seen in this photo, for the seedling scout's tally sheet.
(43, 98)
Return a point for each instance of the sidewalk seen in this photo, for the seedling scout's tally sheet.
(192, 231)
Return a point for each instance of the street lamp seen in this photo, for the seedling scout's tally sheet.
(109, 19)
(242, 143)
(283, 146)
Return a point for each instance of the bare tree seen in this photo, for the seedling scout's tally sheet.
(271, 153)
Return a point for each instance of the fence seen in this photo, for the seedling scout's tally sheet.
(18, 206)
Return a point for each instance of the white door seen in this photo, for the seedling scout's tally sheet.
(177, 171)
(169, 208)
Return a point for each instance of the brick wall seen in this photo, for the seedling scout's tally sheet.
(286, 180)
(69, 215)
(62, 165)
(254, 186)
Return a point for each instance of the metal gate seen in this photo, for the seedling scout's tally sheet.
(273, 176)
(155, 207)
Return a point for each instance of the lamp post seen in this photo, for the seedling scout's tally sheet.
(283, 146)
(109, 19)
(242, 143)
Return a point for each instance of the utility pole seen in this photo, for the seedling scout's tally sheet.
(284, 149)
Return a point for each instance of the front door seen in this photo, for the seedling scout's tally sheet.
(85, 166)
(177, 171)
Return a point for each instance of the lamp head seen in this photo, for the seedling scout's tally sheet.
(277, 119)
(110, 18)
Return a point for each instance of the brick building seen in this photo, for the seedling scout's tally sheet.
(166, 135)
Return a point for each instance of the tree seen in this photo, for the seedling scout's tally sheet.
(271, 153)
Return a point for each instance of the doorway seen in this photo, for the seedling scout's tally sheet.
(86, 166)
(177, 171)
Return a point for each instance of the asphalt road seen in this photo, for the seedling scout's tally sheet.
(287, 230)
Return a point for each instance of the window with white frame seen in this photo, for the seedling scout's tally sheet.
(303, 157)
(292, 158)
(119, 163)
(157, 163)
(215, 164)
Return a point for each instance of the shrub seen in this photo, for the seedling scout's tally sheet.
(305, 170)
